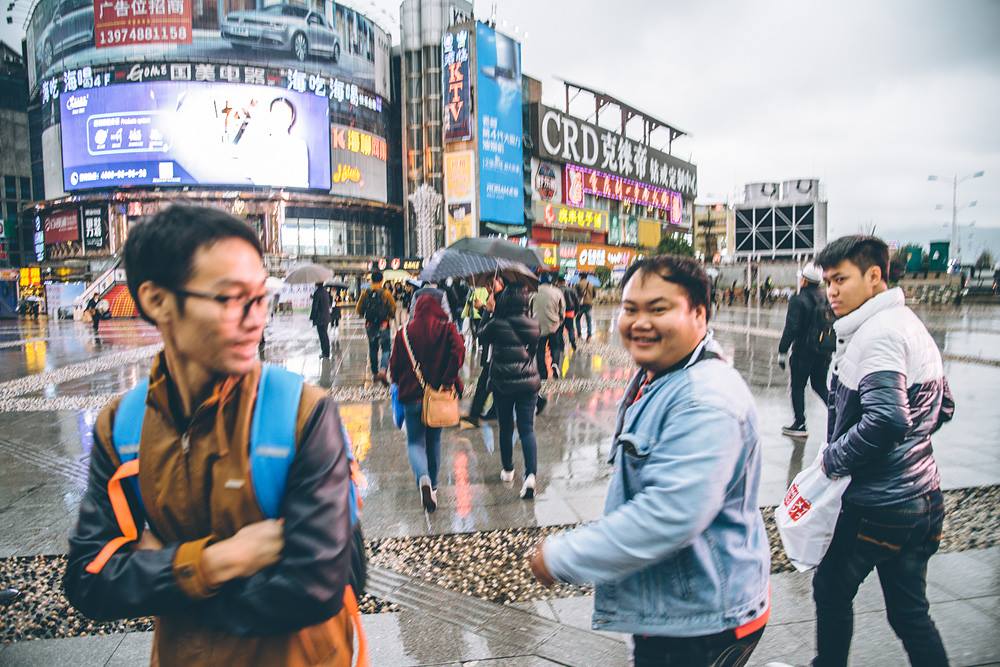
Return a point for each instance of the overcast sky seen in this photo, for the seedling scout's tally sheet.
(871, 97)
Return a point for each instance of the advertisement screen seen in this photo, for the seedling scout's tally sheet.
(324, 37)
(168, 133)
(358, 165)
(459, 195)
(501, 186)
(62, 227)
(457, 86)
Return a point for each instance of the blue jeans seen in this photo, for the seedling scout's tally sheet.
(378, 338)
(423, 444)
(897, 540)
(523, 407)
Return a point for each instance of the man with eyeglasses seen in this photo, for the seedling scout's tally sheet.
(189, 543)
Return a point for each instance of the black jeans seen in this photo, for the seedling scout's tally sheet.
(552, 343)
(324, 340)
(897, 540)
(806, 369)
(482, 392)
(378, 337)
(719, 650)
(569, 326)
(584, 312)
(523, 406)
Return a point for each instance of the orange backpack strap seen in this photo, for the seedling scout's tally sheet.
(123, 514)
(351, 604)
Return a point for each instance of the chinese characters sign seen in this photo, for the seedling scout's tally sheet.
(121, 22)
(455, 54)
(459, 195)
(359, 166)
(589, 257)
(501, 178)
(581, 181)
(62, 227)
(570, 217)
(94, 227)
(567, 139)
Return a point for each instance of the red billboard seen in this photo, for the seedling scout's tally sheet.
(62, 227)
(122, 22)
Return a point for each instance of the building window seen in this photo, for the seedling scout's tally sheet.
(10, 187)
(26, 189)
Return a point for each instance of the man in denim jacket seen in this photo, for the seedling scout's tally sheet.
(680, 558)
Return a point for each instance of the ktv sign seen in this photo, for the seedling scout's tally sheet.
(455, 57)
(567, 139)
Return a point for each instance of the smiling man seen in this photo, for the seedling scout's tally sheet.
(888, 395)
(173, 524)
(680, 559)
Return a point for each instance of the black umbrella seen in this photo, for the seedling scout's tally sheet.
(497, 247)
(449, 263)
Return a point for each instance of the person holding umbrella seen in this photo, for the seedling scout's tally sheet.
(514, 380)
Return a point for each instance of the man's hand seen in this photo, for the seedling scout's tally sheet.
(246, 553)
(538, 567)
(782, 361)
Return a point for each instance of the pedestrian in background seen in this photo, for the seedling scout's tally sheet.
(809, 333)
(438, 350)
(514, 337)
(335, 312)
(889, 395)
(572, 300)
(320, 317)
(585, 289)
(548, 307)
(377, 306)
(681, 558)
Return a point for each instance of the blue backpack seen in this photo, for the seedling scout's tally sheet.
(272, 449)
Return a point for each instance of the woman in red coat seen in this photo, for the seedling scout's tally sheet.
(439, 350)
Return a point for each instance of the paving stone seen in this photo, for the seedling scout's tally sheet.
(95, 650)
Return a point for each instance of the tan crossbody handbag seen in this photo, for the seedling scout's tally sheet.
(440, 405)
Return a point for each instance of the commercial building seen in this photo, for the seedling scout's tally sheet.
(786, 220)
(283, 114)
(709, 232)
(601, 192)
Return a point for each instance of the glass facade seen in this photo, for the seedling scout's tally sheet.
(327, 237)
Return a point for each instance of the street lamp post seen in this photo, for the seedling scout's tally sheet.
(955, 180)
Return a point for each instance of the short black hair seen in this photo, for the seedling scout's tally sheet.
(161, 249)
(861, 250)
(376, 276)
(682, 271)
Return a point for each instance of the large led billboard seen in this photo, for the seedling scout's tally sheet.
(172, 133)
(322, 36)
(501, 167)
(359, 166)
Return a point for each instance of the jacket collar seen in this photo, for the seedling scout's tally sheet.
(161, 387)
(850, 323)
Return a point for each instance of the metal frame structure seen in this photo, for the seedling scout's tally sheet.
(627, 112)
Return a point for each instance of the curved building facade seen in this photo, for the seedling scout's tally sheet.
(282, 113)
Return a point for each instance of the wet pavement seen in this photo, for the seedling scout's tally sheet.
(55, 377)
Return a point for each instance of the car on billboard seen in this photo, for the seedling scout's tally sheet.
(284, 28)
(71, 27)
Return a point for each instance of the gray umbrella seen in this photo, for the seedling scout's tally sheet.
(497, 247)
(307, 274)
(449, 263)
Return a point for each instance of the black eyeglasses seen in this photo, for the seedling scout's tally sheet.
(238, 305)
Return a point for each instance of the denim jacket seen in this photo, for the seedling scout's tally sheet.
(681, 550)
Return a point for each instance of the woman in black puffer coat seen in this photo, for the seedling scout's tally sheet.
(513, 335)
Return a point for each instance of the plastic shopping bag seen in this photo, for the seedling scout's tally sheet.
(808, 514)
(398, 416)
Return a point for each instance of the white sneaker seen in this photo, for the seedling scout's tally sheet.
(528, 488)
(507, 476)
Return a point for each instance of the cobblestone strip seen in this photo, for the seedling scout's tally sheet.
(39, 381)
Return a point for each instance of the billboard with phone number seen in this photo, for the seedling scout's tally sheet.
(173, 133)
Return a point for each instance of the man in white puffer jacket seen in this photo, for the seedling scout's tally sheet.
(888, 395)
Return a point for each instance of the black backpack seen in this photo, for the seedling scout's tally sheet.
(822, 338)
(375, 306)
